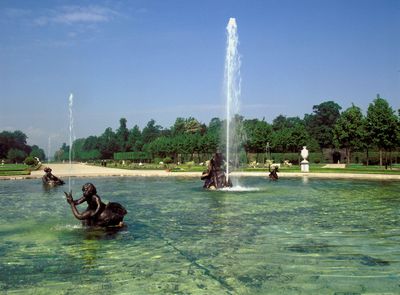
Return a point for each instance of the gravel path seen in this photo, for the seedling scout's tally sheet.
(83, 170)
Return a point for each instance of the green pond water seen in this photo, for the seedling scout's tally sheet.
(286, 237)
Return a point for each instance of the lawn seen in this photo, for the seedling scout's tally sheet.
(14, 169)
(316, 168)
(352, 168)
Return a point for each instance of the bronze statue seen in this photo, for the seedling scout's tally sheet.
(214, 177)
(273, 175)
(50, 179)
(97, 213)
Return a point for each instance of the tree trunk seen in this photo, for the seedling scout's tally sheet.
(380, 157)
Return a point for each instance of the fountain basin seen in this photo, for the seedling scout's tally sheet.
(289, 237)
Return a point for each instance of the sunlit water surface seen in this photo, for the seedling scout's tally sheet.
(286, 237)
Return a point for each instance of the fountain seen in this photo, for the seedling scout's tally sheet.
(49, 150)
(214, 177)
(232, 92)
(292, 237)
(71, 129)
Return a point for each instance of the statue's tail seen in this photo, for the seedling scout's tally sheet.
(116, 208)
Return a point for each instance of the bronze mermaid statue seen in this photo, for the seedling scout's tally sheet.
(50, 179)
(97, 213)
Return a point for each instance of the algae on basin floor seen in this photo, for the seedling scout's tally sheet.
(288, 236)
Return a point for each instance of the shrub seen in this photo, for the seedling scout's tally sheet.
(167, 160)
(157, 160)
(30, 161)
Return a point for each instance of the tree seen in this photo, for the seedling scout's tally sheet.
(151, 131)
(382, 126)
(189, 125)
(322, 122)
(135, 142)
(179, 126)
(91, 143)
(281, 122)
(108, 144)
(15, 155)
(122, 135)
(161, 146)
(349, 130)
(194, 126)
(258, 134)
(37, 152)
(212, 135)
(13, 140)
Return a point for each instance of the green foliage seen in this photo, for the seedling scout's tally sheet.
(13, 167)
(382, 124)
(30, 161)
(281, 157)
(37, 152)
(135, 142)
(349, 131)
(122, 135)
(189, 164)
(151, 131)
(135, 156)
(167, 160)
(157, 160)
(258, 134)
(189, 140)
(13, 140)
(321, 123)
(15, 155)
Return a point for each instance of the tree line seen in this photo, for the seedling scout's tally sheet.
(14, 148)
(326, 127)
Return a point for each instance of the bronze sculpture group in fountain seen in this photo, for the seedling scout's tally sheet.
(214, 177)
(50, 179)
(97, 213)
(273, 174)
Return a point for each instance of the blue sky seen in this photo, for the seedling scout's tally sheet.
(164, 59)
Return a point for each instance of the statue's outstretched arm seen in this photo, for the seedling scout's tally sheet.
(80, 216)
(80, 200)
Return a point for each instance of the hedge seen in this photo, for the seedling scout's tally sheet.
(139, 156)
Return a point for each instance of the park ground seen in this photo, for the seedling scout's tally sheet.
(85, 170)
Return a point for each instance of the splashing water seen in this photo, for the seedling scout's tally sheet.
(71, 129)
(232, 89)
(239, 188)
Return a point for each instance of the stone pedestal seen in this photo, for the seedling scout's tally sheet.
(305, 167)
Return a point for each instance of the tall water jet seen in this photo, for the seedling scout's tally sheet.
(49, 150)
(232, 92)
(71, 129)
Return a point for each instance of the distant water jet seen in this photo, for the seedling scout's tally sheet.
(71, 131)
(49, 150)
(232, 92)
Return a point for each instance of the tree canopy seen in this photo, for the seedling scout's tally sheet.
(189, 138)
